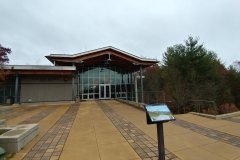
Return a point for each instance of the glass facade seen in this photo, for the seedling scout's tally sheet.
(105, 82)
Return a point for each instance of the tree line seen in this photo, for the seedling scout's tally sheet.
(4, 52)
(191, 73)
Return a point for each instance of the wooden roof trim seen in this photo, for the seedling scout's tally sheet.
(94, 55)
(55, 57)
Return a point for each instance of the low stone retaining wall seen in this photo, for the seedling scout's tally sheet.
(221, 116)
(132, 103)
(13, 138)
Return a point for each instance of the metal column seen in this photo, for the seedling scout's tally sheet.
(16, 89)
(73, 87)
(141, 76)
(161, 149)
(131, 86)
(136, 89)
(78, 79)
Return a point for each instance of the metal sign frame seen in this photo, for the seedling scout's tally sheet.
(158, 113)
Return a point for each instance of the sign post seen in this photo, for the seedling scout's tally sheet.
(159, 114)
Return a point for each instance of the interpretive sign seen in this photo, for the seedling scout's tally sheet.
(158, 113)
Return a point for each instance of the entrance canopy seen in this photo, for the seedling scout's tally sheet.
(107, 55)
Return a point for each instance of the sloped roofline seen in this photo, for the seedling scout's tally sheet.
(98, 50)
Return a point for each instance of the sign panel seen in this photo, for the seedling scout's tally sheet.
(158, 113)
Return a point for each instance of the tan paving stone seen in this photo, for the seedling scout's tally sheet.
(120, 151)
(105, 128)
(54, 158)
(197, 154)
(76, 141)
(171, 129)
(220, 125)
(83, 130)
(89, 152)
(233, 129)
(222, 149)
(109, 137)
(184, 141)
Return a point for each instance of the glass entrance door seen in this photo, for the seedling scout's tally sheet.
(104, 91)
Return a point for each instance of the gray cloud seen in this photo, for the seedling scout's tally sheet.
(146, 28)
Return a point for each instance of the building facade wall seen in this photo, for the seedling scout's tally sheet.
(7, 91)
(46, 89)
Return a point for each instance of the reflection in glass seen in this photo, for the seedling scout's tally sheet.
(118, 81)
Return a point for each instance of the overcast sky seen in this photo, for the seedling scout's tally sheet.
(36, 28)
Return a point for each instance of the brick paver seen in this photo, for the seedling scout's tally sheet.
(51, 144)
(211, 133)
(17, 112)
(144, 145)
(39, 116)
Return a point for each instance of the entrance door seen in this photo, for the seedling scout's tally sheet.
(104, 91)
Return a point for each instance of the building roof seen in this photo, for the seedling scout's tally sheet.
(40, 69)
(99, 50)
(106, 55)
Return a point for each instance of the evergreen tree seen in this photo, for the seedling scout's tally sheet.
(190, 72)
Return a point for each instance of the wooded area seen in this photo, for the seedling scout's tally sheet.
(192, 76)
(3, 60)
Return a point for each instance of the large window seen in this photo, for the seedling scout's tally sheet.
(120, 82)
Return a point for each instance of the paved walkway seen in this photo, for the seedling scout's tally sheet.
(145, 146)
(211, 133)
(50, 146)
(234, 119)
(183, 142)
(110, 130)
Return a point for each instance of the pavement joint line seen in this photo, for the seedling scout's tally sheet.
(52, 143)
(142, 144)
(97, 143)
(38, 116)
(210, 133)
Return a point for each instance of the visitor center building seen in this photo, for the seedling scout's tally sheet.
(103, 73)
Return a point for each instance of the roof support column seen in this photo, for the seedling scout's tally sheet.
(136, 89)
(16, 89)
(131, 84)
(73, 77)
(141, 76)
(78, 86)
